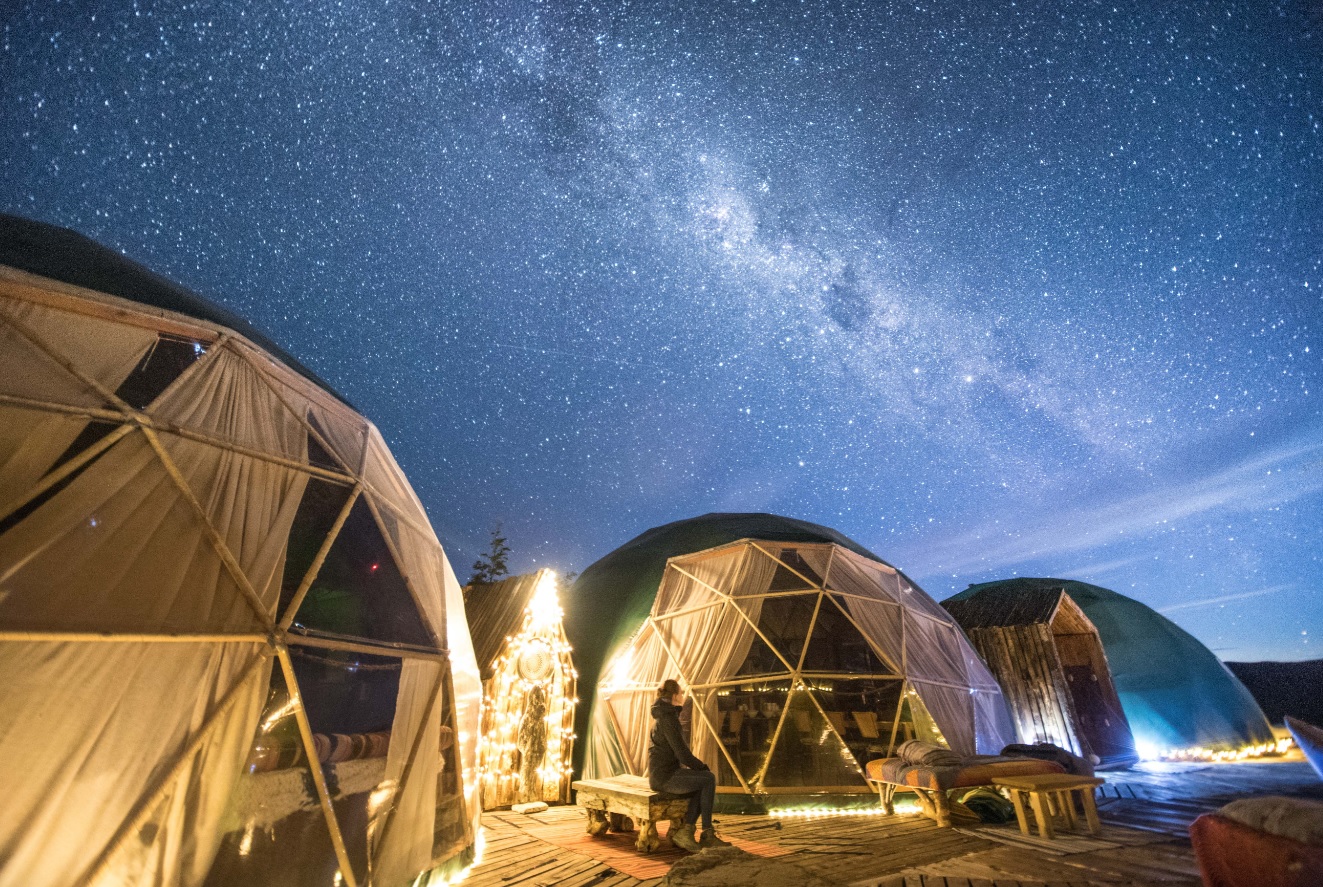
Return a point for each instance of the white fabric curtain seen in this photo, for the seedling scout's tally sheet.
(466, 690)
(31, 440)
(103, 350)
(630, 688)
(867, 598)
(383, 474)
(912, 596)
(102, 725)
(405, 847)
(933, 651)
(224, 397)
(709, 645)
(993, 727)
(120, 549)
(344, 431)
(422, 565)
(705, 641)
(952, 710)
(818, 558)
(851, 574)
(184, 827)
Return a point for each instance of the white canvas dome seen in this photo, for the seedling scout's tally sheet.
(804, 661)
(212, 573)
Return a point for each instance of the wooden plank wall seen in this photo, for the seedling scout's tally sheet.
(1024, 660)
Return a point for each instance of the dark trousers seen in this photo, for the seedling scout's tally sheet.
(701, 787)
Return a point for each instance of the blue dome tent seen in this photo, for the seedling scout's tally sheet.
(1176, 694)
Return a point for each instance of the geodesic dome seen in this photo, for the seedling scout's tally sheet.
(804, 661)
(1177, 695)
(231, 647)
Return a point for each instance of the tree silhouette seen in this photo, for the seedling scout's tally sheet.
(492, 565)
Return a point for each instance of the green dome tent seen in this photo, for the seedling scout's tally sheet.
(612, 597)
(805, 656)
(1176, 694)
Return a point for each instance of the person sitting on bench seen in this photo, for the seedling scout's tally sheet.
(673, 768)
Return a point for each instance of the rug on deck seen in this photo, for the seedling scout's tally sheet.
(618, 851)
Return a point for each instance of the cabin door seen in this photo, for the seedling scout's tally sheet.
(1105, 731)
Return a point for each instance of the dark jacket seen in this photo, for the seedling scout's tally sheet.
(667, 751)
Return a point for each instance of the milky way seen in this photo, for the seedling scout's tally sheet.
(1034, 289)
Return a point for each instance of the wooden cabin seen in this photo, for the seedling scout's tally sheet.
(528, 683)
(1049, 660)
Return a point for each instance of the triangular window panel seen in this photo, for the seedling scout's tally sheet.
(861, 712)
(278, 834)
(452, 826)
(837, 647)
(346, 437)
(749, 715)
(881, 620)
(350, 699)
(785, 622)
(761, 660)
(319, 456)
(359, 592)
(793, 573)
(159, 367)
(321, 504)
(809, 753)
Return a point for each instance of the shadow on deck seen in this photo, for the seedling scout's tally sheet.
(1146, 813)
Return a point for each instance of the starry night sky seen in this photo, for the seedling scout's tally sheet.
(1021, 289)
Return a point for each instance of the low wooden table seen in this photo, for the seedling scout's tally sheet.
(1049, 795)
(612, 803)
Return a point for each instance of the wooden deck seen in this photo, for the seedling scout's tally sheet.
(1146, 813)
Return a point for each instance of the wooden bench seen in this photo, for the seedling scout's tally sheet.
(613, 803)
(1050, 796)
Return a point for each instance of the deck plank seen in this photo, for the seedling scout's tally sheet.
(1146, 813)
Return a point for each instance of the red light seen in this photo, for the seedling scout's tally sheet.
(373, 568)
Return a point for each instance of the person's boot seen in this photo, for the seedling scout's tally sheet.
(710, 839)
(683, 837)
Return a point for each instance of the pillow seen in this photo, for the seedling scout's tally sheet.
(925, 754)
(1294, 818)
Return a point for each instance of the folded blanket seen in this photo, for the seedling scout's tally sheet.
(1046, 751)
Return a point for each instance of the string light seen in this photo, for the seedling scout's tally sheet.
(504, 705)
(826, 812)
(1214, 755)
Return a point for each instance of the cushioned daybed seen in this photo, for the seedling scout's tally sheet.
(932, 772)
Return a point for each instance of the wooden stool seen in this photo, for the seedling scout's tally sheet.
(1052, 795)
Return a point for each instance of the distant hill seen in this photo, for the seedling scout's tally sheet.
(1284, 688)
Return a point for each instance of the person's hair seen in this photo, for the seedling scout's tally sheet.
(669, 688)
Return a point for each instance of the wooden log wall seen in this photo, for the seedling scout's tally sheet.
(1024, 660)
